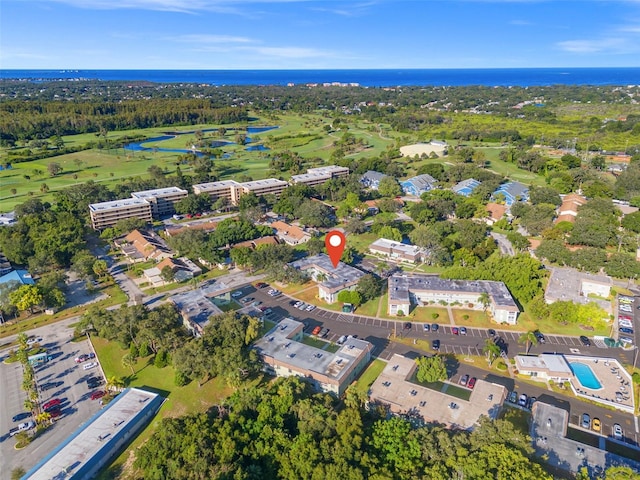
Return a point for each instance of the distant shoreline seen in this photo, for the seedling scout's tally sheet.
(488, 77)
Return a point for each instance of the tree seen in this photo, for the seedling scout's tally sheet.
(167, 274)
(631, 222)
(369, 287)
(491, 350)
(54, 168)
(26, 297)
(389, 187)
(390, 233)
(129, 361)
(100, 268)
(485, 299)
(528, 338)
(431, 369)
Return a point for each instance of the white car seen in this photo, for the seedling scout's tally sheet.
(297, 304)
(617, 431)
(90, 365)
(236, 294)
(625, 323)
(34, 340)
(310, 308)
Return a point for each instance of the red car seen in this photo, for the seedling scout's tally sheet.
(471, 383)
(52, 404)
(455, 330)
(316, 330)
(97, 394)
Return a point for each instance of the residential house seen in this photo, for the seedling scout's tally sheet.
(141, 246)
(466, 187)
(568, 211)
(256, 242)
(284, 354)
(495, 212)
(371, 179)
(513, 192)
(290, 234)
(173, 230)
(544, 367)
(418, 185)
(23, 277)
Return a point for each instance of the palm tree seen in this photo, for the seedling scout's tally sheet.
(491, 350)
(485, 300)
(114, 383)
(529, 338)
(29, 405)
(129, 361)
(43, 417)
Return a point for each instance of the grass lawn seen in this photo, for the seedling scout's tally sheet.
(321, 344)
(266, 327)
(425, 315)
(519, 418)
(476, 318)
(458, 392)
(369, 308)
(179, 400)
(369, 376)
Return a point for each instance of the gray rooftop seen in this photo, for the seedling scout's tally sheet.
(278, 344)
(196, 306)
(336, 277)
(158, 192)
(215, 185)
(516, 189)
(553, 363)
(330, 169)
(79, 453)
(469, 182)
(255, 184)
(373, 176)
(126, 202)
(401, 284)
(385, 243)
(422, 181)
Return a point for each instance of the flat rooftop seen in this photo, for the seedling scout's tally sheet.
(195, 306)
(158, 192)
(400, 285)
(279, 345)
(327, 169)
(336, 277)
(115, 204)
(390, 244)
(215, 185)
(303, 177)
(267, 182)
(566, 284)
(392, 387)
(96, 438)
(553, 363)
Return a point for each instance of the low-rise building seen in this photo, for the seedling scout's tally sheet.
(268, 186)
(371, 179)
(397, 252)
(418, 185)
(216, 190)
(408, 290)
(513, 192)
(570, 284)
(162, 200)
(331, 281)
(107, 214)
(544, 367)
(319, 175)
(256, 242)
(284, 354)
(22, 277)
(495, 212)
(95, 444)
(140, 246)
(290, 234)
(195, 309)
(568, 210)
(395, 389)
(466, 187)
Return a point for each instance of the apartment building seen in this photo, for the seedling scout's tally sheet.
(267, 186)
(162, 200)
(317, 176)
(421, 290)
(331, 281)
(284, 355)
(396, 251)
(221, 189)
(107, 214)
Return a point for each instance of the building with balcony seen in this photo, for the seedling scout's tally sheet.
(319, 175)
(107, 214)
(162, 200)
(397, 252)
(216, 190)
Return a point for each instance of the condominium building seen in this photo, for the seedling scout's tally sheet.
(421, 290)
(284, 354)
(107, 214)
(317, 176)
(162, 200)
(267, 186)
(221, 189)
(396, 251)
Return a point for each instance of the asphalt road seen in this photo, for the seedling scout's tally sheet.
(379, 331)
(70, 387)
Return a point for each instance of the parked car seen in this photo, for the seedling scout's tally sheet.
(81, 358)
(617, 431)
(236, 294)
(540, 337)
(464, 379)
(247, 299)
(435, 344)
(302, 306)
(97, 394)
(531, 401)
(626, 340)
(23, 427)
(316, 330)
(51, 404)
(341, 340)
(625, 308)
(407, 326)
(455, 330)
(472, 382)
(275, 293)
(625, 323)
(93, 382)
(513, 397)
(463, 330)
(585, 341)
(261, 285)
(324, 332)
(492, 332)
(292, 303)
(426, 327)
(434, 327)
(626, 330)
(522, 401)
(90, 365)
(310, 308)
(34, 340)
(297, 304)
(257, 303)
(595, 424)
(586, 421)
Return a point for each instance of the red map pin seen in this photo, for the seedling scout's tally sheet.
(335, 241)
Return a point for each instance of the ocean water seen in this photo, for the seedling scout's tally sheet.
(367, 78)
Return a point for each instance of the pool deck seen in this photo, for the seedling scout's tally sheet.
(617, 386)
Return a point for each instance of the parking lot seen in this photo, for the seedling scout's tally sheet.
(62, 379)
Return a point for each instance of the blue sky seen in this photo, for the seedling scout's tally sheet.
(295, 34)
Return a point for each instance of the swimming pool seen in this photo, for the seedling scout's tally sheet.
(585, 375)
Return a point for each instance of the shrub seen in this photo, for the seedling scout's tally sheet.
(501, 366)
(636, 378)
(465, 317)
(435, 315)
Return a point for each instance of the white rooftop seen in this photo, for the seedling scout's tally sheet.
(262, 183)
(158, 192)
(125, 202)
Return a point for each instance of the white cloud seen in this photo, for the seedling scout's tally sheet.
(613, 45)
(207, 38)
